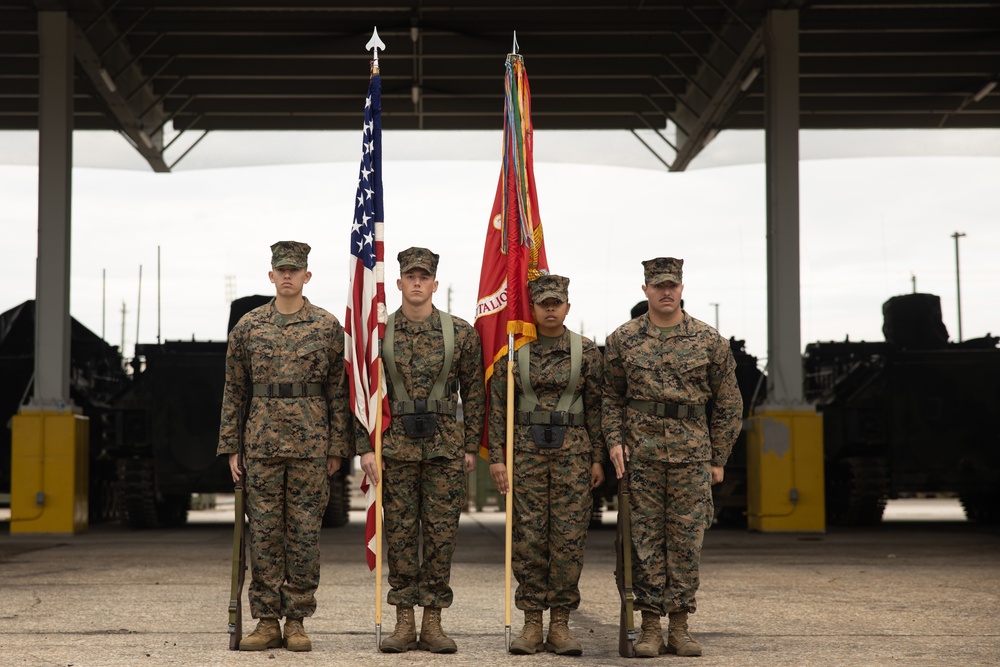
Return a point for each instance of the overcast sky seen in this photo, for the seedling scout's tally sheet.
(868, 225)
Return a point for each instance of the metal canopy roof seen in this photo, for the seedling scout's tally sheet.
(594, 64)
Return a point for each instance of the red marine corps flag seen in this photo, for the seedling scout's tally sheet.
(515, 251)
(514, 254)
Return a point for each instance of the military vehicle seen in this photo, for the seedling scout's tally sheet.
(908, 416)
(96, 377)
(912, 415)
(154, 433)
(730, 497)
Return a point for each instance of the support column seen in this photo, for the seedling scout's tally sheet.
(49, 442)
(781, 111)
(785, 490)
(55, 163)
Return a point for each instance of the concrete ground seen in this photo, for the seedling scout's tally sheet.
(921, 589)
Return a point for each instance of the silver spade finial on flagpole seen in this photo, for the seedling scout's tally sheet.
(514, 48)
(374, 44)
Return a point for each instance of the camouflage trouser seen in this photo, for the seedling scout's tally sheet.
(422, 499)
(671, 508)
(552, 508)
(286, 500)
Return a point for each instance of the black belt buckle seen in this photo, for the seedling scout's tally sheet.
(548, 436)
(285, 390)
(420, 425)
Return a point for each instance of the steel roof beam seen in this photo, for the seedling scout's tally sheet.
(714, 113)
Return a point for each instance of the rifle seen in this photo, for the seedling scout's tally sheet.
(623, 570)
(239, 554)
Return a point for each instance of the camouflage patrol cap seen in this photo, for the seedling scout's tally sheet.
(290, 253)
(418, 258)
(663, 270)
(549, 287)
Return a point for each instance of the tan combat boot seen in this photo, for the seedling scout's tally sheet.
(266, 635)
(530, 639)
(679, 640)
(404, 637)
(296, 638)
(432, 637)
(650, 643)
(560, 641)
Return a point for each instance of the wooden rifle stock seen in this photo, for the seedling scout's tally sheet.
(623, 571)
(239, 554)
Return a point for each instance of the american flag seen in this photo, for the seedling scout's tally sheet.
(364, 325)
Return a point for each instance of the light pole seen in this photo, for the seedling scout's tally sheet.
(716, 315)
(958, 283)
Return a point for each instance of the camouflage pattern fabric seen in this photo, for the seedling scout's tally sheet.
(689, 365)
(286, 498)
(666, 555)
(549, 373)
(287, 441)
(422, 496)
(552, 508)
(424, 479)
(552, 500)
(419, 351)
(266, 347)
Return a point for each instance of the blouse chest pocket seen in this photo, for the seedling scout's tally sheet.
(691, 370)
(642, 369)
(309, 348)
(310, 359)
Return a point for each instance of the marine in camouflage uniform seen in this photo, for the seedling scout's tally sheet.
(425, 484)
(671, 398)
(552, 485)
(285, 364)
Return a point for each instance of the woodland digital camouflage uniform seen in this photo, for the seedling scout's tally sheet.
(425, 479)
(286, 444)
(670, 457)
(552, 499)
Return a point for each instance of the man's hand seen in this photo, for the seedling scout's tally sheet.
(596, 475)
(368, 465)
(718, 472)
(619, 459)
(234, 467)
(332, 465)
(498, 471)
(470, 462)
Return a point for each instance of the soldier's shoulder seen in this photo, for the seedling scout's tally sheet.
(253, 317)
(631, 328)
(697, 327)
(322, 314)
(461, 325)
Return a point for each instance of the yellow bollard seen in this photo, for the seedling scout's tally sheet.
(49, 468)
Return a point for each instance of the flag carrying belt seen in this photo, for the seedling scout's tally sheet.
(668, 410)
(548, 428)
(288, 389)
(420, 416)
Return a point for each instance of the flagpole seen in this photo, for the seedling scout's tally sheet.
(509, 523)
(374, 44)
(378, 509)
